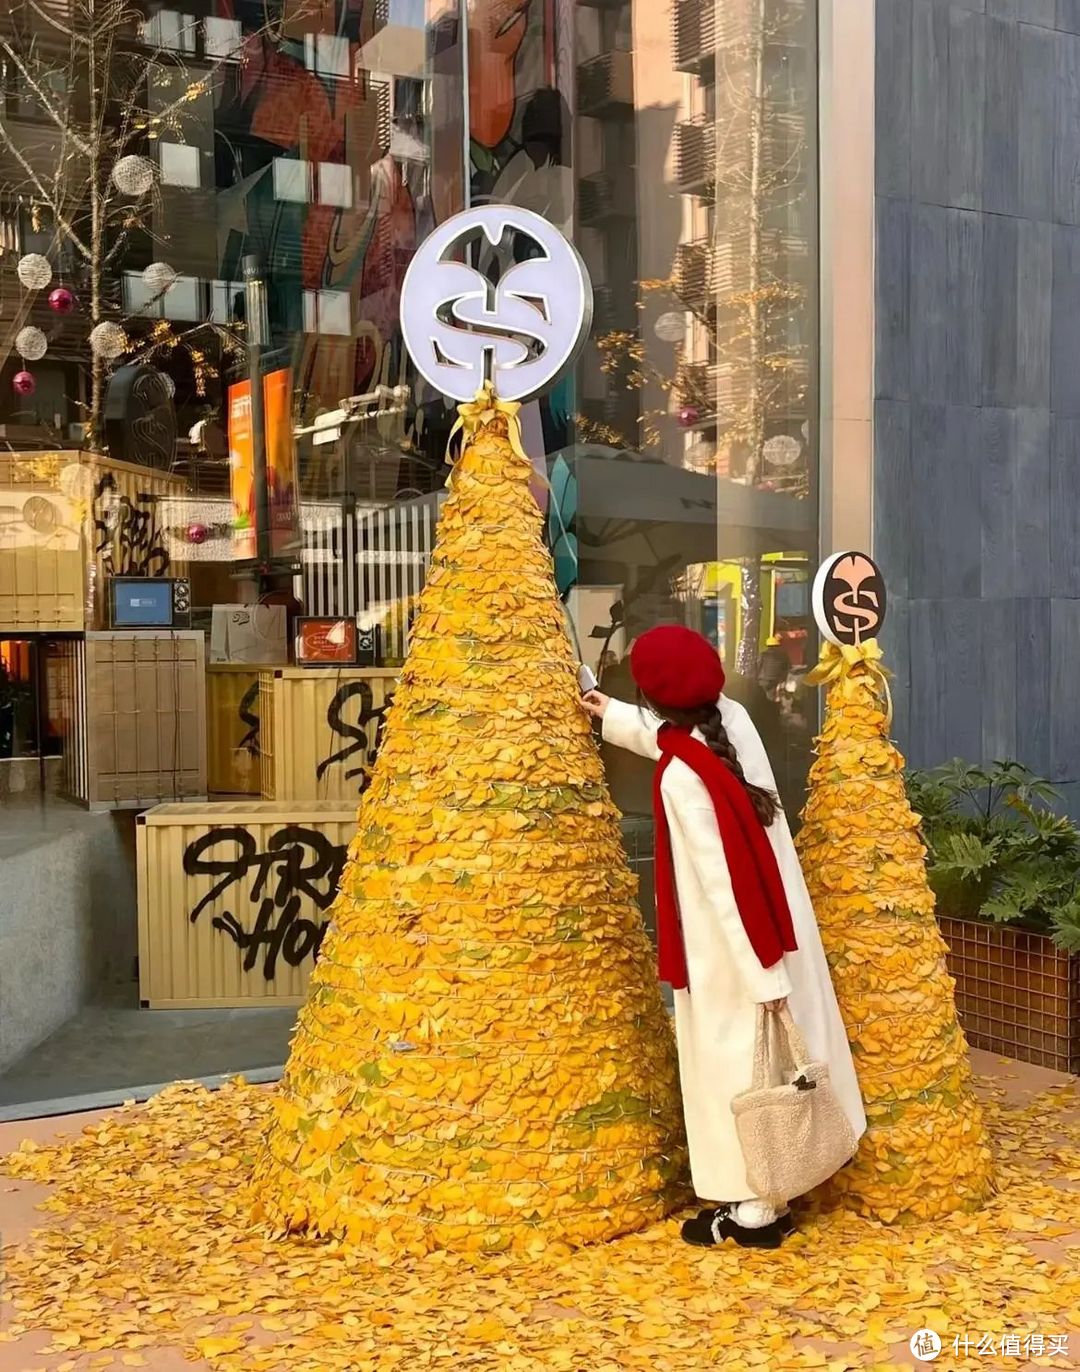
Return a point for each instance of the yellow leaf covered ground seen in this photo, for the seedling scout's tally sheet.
(484, 1063)
(147, 1245)
(925, 1151)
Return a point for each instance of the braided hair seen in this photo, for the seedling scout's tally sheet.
(709, 720)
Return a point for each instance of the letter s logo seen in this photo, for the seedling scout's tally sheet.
(521, 332)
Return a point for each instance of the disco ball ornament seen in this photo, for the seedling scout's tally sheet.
(23, 383)
(107, 340)
(689, 415)
(670, 327)
(782, 450)
(133, 175)
(197, 533)
(61, 301)
(159, 277)
(31, 343)
(34, 271)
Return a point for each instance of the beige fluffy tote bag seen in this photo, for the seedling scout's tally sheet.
(792, 1128)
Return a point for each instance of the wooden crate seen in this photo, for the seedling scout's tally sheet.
(234, 899)
(232, 730)
(1016, 993)
(135, 718)
(69, 521)
(319, 730)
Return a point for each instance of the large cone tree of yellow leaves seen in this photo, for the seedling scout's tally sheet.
(925, 1152)
(484, 1062)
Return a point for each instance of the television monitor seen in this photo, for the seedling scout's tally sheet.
(142, 602)
(792, 599)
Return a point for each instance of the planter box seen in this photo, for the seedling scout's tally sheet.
(234, 899)
(1016, 993)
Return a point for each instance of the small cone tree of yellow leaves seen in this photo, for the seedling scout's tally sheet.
(484, 1063)
(925, 1153)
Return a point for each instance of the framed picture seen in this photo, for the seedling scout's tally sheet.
(326, 642)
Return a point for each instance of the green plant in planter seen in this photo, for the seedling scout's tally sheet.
(997, 849)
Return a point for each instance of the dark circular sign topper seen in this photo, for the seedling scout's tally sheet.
(140, 416)
(849, 598)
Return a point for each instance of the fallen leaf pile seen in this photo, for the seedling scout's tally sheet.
(147, 1244)
(925, 1151)
(484, 1063)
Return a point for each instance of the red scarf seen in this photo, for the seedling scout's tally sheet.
(755, 876)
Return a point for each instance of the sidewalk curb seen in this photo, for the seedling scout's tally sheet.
(107, 1100)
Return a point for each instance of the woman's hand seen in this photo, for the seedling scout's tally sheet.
(775, 1006)
(595, 703)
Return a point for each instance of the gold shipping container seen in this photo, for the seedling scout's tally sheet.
(134, 712)
(68, 522)
(232, 730)
(319, 730)
(234, 898)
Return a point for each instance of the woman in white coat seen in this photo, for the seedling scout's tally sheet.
(735, 927)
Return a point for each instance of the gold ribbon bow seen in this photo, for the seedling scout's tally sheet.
(840, 661)
(481, 410)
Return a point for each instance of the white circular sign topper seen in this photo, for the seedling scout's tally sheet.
(521, 333)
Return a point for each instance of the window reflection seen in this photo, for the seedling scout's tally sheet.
(675, 140)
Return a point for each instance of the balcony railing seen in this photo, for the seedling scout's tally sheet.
(704, 28)
(603, 313)
(711, 272)
(722, 392)
(604, 196)
(691, 275)
(694, 34)
(695, 155)
(606, 84)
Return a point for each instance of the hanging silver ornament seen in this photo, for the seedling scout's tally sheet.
(170, 384)
(159, 277)
(133, 175)
(34, 271)
(671, 327)
(782, 450)
(108, 340)
(31, 343)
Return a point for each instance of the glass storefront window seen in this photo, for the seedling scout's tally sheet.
(297, 157)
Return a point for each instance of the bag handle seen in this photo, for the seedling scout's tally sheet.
(796, 1042)
(788, 1043)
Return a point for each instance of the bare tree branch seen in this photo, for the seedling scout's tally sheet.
(39, 187)
(61, 118)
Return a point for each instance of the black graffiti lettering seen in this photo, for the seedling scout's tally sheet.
(249, 715)
(297, 863)
(356, 731)
(126, 533)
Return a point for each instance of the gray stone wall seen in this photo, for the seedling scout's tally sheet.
(67, 917)
(977, 376)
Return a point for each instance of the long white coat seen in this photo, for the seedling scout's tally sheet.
(716, 1017)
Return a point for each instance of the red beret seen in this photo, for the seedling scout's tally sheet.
(677, 668)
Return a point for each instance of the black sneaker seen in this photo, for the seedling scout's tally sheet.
(786, 1221)
(712, 1227)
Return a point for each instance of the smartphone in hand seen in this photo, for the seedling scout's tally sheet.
(586, 679)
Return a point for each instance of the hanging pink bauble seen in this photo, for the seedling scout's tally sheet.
(61, 301)
(688, 416)
(23, 383)
(197, 533)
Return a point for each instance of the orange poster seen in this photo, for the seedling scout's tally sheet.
(242, 470)
(280, 465)
(280, 460)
